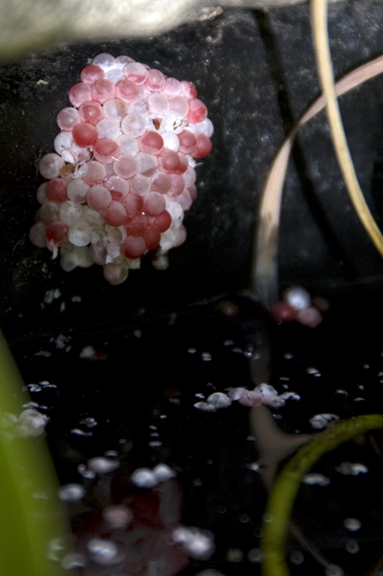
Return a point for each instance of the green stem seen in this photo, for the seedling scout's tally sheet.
(30, 511)
(286, 486)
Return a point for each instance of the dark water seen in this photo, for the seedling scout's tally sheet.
(132, 403)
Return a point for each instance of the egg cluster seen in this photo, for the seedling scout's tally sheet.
(298, 305)
(122, 174)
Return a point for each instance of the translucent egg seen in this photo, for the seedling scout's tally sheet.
(75, 256)
(80, 234)
(70, 212)
(63, 141)
(104, 61)
(50, 165)
(146, 164)
(133, 124)
(108, 128)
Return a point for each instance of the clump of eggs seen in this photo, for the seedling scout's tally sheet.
(122, 174)
(298, 305)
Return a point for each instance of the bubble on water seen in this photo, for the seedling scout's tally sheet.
(315, 478)
(255, 555)
(104, 552)
(313, 371)
(71, 492)
(111, 453)
(144, 478)
(219, 400)
(89, 422)
(102, 465)
(117, 516)
(163, 472)
(34, 388)
(296, 557)
(352, 524)
(214, 402)
(352, 546)
(234, 555)
(248, 351)
(33, 405)
(80, 432)
(196, 543)
(73, 560)
(253, 465)
(320, 421)
(87, 352)
(351, 468)
(61, 341)
(32, 422)
(205, 407)
(289, 396)
(55, 549)
(51, 295)
(85, 473)
(46, 384)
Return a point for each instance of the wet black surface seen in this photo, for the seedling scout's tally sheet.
(140, 387)
(256, 72)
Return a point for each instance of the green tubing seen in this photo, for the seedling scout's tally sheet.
(286, 486)
(30, 512)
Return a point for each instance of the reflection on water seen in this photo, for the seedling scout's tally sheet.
(164, 471)
(118, 526)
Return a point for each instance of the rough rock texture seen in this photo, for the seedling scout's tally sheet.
(256, 72)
